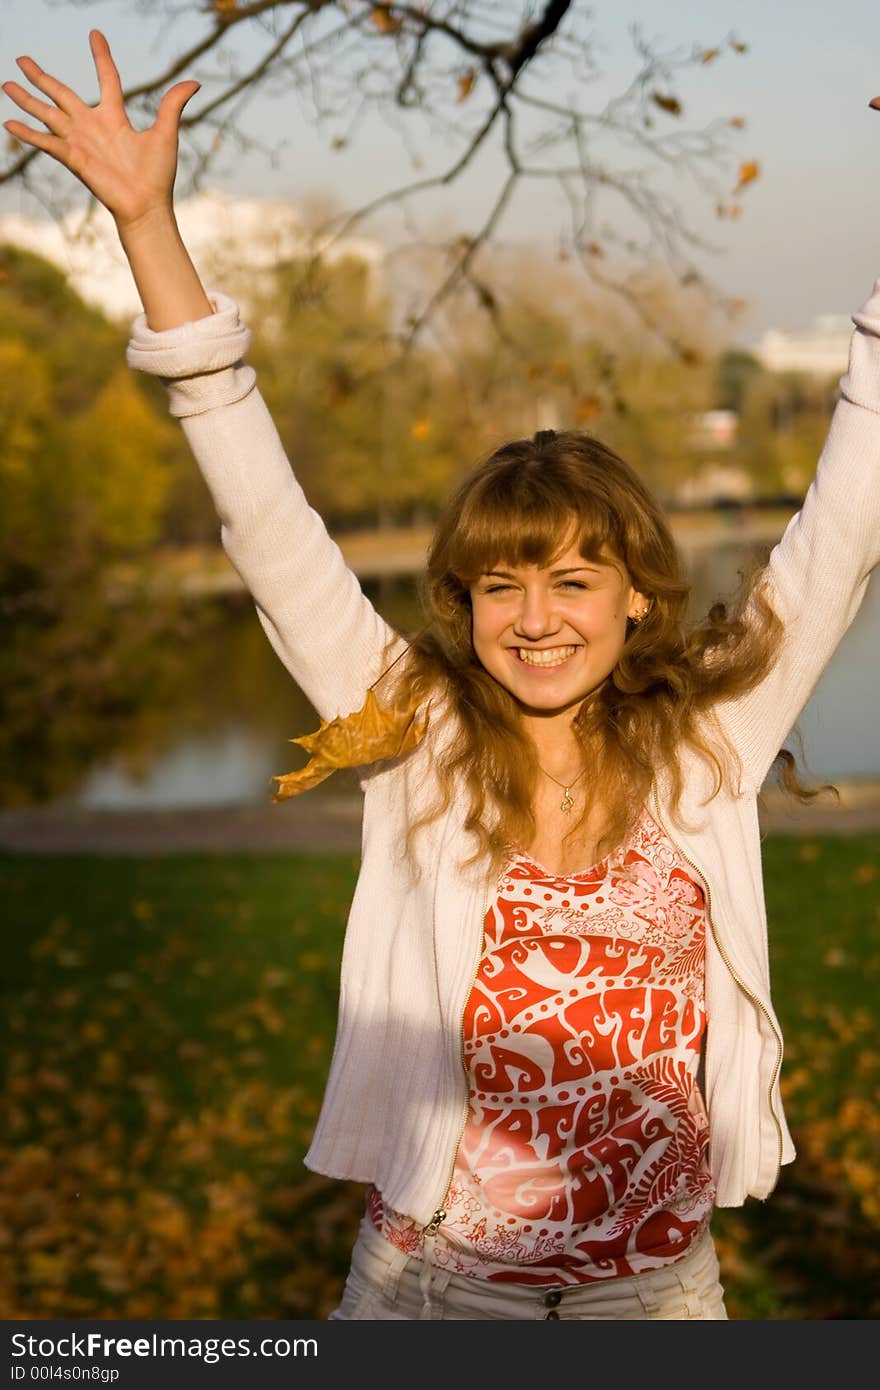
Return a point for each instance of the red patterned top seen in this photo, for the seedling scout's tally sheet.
(584, 1154)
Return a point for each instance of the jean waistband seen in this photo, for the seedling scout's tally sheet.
(696, 1267)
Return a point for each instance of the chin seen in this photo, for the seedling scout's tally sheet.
(550, 702)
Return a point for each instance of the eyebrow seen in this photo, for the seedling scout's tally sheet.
(555, 574)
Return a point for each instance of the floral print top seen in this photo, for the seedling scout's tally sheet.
(585, 1150)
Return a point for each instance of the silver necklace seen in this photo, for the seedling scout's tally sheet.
(566, 803)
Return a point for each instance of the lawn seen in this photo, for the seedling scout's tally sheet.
(168, 1024)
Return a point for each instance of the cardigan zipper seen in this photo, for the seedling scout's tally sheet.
(745, 989)
(440, 1214)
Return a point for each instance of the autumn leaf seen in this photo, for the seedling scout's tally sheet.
(486, 297)
(587, 408)
(738, 122)
(420, 429)
(748, 172)
(593, 248)
(709, 55)
(466, 83)
(384, 21)
(667, 103)
(739, 47)
(224, 8)
(368, 735)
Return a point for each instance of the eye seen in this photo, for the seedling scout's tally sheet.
(574, 584)
(495, 588)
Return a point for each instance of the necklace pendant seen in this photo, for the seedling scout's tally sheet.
(566, 803)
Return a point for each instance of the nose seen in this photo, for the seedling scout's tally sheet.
(537, 616)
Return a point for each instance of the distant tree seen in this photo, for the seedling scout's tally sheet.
(782, 428)
(458, 78)
(736, 370)
(84, 475)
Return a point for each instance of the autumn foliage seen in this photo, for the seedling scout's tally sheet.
(168, 1028)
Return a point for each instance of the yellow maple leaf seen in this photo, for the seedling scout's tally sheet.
(587, 408)
(748, 172)
(368, 735)
(384, 20)
(466, 84)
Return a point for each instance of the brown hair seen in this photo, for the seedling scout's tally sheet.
(521, 506)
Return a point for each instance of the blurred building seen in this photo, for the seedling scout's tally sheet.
(231, 240)
(714, 429)
(821, 350)
(714, 484)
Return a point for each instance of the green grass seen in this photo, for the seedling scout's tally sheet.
(168, 1025)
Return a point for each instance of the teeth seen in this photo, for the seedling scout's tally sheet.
(550, 656)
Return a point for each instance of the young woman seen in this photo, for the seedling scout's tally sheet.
(556, 1049)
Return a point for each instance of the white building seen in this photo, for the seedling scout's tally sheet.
(821, 350)
(229, 239)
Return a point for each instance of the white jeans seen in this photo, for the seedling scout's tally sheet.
(386, 1283)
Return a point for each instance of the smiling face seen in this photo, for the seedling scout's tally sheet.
(552, 634)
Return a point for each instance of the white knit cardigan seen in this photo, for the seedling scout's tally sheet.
(396, 1100)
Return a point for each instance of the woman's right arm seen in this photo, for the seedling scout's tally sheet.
(310, 604)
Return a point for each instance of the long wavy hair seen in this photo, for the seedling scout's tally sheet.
(521, 506)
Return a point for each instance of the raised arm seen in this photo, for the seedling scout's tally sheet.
(310, 604)
(818, 573)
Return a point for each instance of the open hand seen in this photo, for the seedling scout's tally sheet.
(131, 172)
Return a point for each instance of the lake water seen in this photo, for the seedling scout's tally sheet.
(241, 739)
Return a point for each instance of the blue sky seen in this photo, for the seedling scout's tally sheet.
(808, 241)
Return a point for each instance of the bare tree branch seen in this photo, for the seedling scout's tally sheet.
(484, 74)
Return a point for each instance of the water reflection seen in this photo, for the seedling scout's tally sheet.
(225, 732)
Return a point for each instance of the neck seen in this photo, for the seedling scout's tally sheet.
(556, 746)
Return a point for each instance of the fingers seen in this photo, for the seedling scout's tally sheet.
(171, 105)
(51, 116)
(50, 143)
(109, 82)
(875, 102)
(63, 97)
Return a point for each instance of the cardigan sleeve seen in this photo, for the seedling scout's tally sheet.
(310, 604)
(818, 573)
